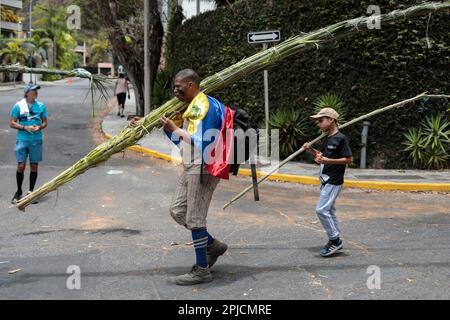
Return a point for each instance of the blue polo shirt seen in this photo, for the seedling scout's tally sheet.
(34, 117)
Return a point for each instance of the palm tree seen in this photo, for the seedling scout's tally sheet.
(52, 19)
(37, 47)
(12, 54)
(3, 44)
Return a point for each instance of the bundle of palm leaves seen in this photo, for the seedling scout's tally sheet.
(129, 136)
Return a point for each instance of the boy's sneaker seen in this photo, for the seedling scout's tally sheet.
(214, 251)
(196, 276)
(331, 248)
(16, 198)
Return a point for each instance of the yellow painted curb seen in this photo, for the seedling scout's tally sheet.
(359, 184)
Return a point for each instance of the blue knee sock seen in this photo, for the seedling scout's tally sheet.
(200, 238)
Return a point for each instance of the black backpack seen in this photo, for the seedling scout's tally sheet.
(243, 121)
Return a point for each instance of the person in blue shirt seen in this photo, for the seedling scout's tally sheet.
(29, 117)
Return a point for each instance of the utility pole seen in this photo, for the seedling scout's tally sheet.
(198, 7)
(266, 104)
(31, 15)
(30, 34)
(147, 88)
(364, 135)
(265, 37)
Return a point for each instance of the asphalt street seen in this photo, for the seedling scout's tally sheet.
(113, 224)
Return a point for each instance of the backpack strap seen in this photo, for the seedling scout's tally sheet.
(192, 160)
(201, 171)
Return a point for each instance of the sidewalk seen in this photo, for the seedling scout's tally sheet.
(159, 146)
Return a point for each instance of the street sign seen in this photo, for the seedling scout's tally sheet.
(264, 36)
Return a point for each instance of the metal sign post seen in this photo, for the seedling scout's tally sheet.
(266, 105)
(265, 37)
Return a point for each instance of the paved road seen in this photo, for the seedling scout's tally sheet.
(113, 224)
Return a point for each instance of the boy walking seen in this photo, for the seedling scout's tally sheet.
(335, 155)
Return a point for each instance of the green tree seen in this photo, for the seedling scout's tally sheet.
(100, 48)
(52, 19)
(37, 47)
(13, 53)
(67, 59)
(174, 22)
(124, 22)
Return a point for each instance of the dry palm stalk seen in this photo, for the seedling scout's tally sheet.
(301, 150)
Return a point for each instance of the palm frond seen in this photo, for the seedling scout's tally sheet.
(98, 83)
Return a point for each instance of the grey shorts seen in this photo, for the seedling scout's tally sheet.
(191, 201)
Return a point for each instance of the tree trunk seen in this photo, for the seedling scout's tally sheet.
(50, 54)
(127, 40)
(55, 53)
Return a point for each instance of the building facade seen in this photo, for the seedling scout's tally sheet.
(10, 24)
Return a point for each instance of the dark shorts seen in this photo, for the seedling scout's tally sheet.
(121, 97)
(31, 148)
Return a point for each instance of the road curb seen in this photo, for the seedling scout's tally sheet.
(307, 180)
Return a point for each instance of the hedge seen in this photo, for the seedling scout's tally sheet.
(368, 70)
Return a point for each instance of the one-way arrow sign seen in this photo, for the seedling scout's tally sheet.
(264, 36)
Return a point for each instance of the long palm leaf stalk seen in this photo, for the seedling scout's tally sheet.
(97, 83)
(301, 150)
(129, 136)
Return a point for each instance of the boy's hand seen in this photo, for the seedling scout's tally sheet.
(168, 124)
(319, 158)
(307, 146)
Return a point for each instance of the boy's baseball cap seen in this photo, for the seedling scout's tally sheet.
(326, 112)
(30, 87)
